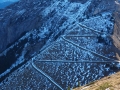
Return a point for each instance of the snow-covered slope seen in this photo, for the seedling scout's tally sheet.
(75, 34)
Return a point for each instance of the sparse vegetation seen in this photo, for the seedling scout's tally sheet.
(104, 86)
(79, 84)
(68, 88)
(90, 83)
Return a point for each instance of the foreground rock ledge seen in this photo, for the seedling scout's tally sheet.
(112, 81)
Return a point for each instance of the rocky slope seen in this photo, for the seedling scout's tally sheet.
(73, 33)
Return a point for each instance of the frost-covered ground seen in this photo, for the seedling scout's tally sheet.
(81, 49)
(28, 79)
(80, 44)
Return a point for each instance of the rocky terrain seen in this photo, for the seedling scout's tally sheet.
(55, 44)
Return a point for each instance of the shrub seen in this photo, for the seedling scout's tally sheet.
(104, 86)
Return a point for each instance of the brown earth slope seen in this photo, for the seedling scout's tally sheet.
(116, 33)
(107, 83)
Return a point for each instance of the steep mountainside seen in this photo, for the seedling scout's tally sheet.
(26, 15)
(54, 44)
